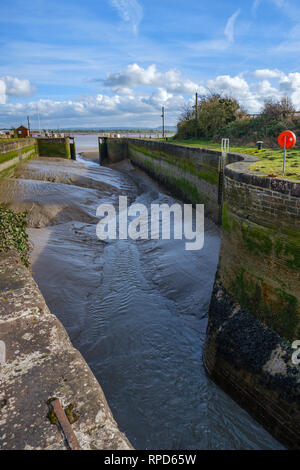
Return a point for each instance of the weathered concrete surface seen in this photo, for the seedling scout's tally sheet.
(15, 161)
(253, 364)
(54, 147)
(255, 308)
(14, 145)
(41, 363)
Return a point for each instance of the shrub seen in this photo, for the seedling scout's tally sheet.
(13, 233)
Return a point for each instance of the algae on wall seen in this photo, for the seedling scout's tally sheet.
(54, 147)
(260, 260)
(193, 178)
(10, 160)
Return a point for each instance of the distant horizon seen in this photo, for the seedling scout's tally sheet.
(98, 129)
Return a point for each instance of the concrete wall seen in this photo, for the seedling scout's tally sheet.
(254, 314)
(11, 146)
(113, 150)
(54, 147)
(192, 174)
(260, 253)
(12, 153)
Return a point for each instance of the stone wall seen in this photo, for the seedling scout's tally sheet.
(12, 153)
(113, 150)
(13, 145)
(191, 173)
(54, 147)
(254, 314)
(260, 252)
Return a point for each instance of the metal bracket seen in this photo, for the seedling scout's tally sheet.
(65, 425)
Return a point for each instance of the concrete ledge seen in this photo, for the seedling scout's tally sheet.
(18, 144)
(40, 364)
(17, 160)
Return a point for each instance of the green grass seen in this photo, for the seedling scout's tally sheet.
(269, 162)
(15, 139)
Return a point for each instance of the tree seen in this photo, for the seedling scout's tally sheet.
(214, 112)
(187, 113)
(277, 110)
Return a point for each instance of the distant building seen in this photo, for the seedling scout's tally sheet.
(6, 134)
(22, 132)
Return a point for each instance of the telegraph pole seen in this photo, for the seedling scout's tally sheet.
(163, 121)
(196, 115)
(38, 115)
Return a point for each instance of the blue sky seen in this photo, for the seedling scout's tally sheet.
(116, 62)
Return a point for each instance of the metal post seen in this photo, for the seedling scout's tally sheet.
(163, 121)
(284, 156)
(196, 115)
(2, 353)
(38, 114)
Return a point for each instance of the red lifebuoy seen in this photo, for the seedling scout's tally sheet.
(290, 139)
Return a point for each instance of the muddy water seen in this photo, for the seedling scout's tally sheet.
(136, 310)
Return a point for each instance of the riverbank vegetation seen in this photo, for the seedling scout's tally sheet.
(13, 233)
(270, 161)
(217, 117)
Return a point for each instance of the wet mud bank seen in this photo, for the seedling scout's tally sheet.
(136, 310)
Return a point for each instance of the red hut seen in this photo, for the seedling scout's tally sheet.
(22, 132)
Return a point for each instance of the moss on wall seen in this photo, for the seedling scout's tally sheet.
(10, 155)
(259, 268)
(206, 173)
(183, 187)
(52, 148)
(279, 311)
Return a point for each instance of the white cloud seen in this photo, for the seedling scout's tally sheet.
(99, 110)
(290, 83)
(208, 46)
(229, 29)
(265, 91)
(130, 11)
(13, 86)
(2, 92)
(236, 87)
(134, 75)
(255, 6)
(140, 107)
(267, 73)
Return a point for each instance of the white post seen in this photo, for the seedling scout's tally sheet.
(225, 147)
(2, 353)
(284, 156)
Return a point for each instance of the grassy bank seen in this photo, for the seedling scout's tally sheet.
(269, 160)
